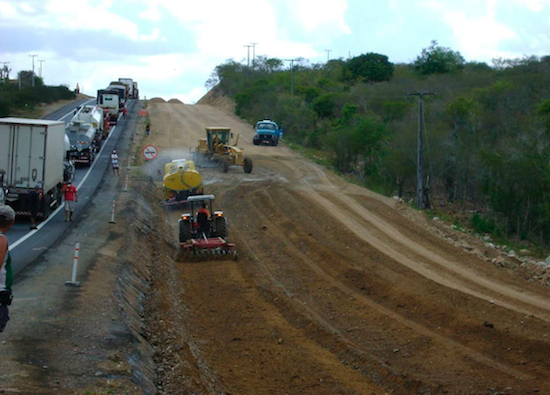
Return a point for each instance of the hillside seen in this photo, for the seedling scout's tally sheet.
(486, 134)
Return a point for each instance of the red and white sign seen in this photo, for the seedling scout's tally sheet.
(150, 152)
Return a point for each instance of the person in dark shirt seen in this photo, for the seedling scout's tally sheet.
(34, 205)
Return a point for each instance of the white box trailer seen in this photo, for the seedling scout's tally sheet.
(32, 153)
(130, 84)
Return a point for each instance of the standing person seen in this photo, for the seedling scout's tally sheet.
(34, 204)
(147, 130)
(124, 112)
(7, 218)
(71, 197)
(114, 161)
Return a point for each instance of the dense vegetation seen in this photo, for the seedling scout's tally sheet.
(487, 130)
(13, 99)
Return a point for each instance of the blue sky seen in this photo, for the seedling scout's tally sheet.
(171, 46)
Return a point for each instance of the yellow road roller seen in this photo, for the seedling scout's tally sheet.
(181, 180)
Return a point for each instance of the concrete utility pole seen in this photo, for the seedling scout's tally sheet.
(253, 55)
(33, 56)
(420, 159)
(291, 74)
(41, 61)
(328, 51)
(248, 55)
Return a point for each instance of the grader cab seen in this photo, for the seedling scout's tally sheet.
(218, 146)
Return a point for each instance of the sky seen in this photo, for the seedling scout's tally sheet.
(170, 47)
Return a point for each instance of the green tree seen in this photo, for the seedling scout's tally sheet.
(371, 67)
(438, 60)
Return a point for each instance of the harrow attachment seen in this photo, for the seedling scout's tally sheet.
(207, 249)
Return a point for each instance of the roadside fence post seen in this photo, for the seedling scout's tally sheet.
(73, 281)
(112, 221)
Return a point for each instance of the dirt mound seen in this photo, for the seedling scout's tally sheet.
(215, 98)
(178, 101)
(157, 100)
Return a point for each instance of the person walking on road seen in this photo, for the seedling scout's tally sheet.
(34, 204)
(147, 130)
(114, 161)
(71, 197)
(7, 219)
(124, 112)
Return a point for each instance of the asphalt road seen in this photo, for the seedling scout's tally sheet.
(27, 245)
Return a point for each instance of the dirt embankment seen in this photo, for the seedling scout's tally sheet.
(335, 291)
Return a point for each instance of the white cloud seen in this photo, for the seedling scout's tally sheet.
(322, 14)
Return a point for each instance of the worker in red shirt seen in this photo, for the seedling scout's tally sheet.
(124, 112)
(71, 197)
(203, 221)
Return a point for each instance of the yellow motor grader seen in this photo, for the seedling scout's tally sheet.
(219, 147)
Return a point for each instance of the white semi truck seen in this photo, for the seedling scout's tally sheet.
(32, 153)
(84, 142)
(130, 84)
(109, 101)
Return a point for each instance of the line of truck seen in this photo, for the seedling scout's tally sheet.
(37, 152)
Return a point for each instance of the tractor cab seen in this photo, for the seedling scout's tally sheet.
(218, 137)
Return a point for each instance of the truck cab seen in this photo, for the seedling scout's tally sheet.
(267, 132)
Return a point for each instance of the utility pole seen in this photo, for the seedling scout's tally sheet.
(33, 56)
(41, 61)
(248, 56)
(420, 159)
(253, 55)
(328, 51)
(291, 74)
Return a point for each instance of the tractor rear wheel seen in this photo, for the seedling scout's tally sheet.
(185, 231)
(221, 227)
(247, 165)
(224, 166)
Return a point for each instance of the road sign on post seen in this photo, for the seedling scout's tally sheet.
(150, 152)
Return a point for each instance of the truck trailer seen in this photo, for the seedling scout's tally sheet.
(109, 101)
(31, 154)
(130, 84)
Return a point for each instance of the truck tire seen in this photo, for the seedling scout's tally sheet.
(247, 165)
(224, 166)
(185, 231)
(221, 227)
(256, 141)
(274, 142)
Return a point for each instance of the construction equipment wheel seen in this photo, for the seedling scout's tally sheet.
(247, 165)
(221, 227)
(185, 231)
(224, 166)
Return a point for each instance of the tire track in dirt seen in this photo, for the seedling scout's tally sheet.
(542, 307)
(424, 331)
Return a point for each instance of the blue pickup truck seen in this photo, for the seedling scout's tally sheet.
(267, 132)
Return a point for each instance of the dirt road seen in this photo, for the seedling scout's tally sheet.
(335, 290)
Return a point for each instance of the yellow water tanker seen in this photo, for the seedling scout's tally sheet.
(181, 180)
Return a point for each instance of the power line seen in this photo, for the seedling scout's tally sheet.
(420, 159)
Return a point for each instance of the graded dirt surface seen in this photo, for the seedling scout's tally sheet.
(335, 291)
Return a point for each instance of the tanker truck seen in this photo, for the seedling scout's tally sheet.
(181, 180)
(90, 114)
(84, 144)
